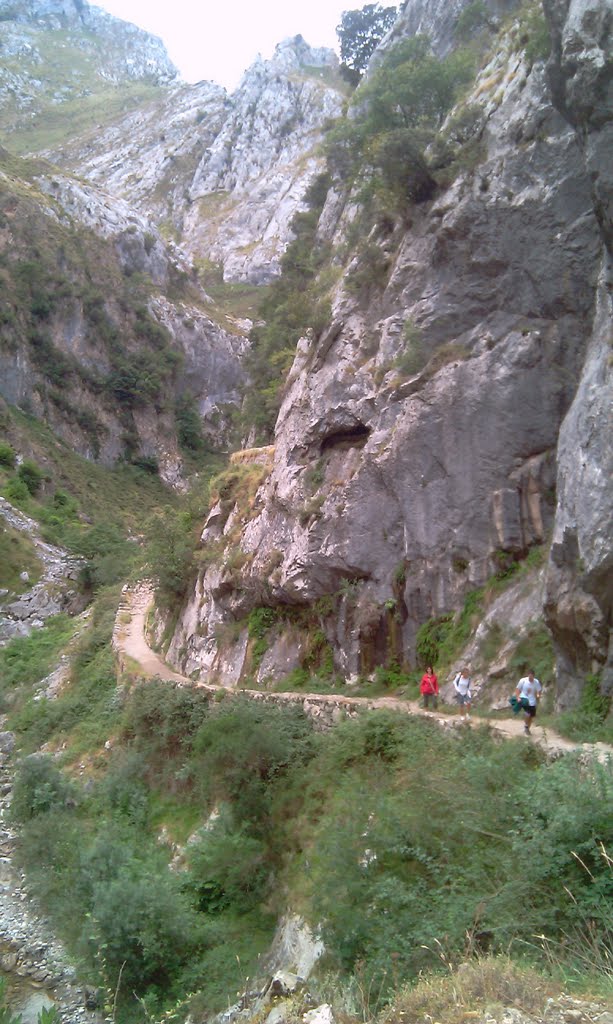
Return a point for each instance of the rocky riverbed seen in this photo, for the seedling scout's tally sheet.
(33, 961)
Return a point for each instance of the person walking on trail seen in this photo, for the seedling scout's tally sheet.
(463, 694)
(528, 693)
(429, 688)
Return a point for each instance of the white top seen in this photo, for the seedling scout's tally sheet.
(462, 685)
(529, 688)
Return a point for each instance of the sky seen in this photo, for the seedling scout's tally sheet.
(219, 39)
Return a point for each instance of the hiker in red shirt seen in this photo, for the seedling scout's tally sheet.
(429, 688)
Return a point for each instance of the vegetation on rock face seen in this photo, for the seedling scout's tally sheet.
(17, 555)
(395, 114)
(124, 361)
(295, 303)
(359, 33)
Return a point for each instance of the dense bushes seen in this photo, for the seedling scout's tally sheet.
(147, 930)
(7, 455)
(402, 840)
(426, 847)
(39, 787)
(394, 115)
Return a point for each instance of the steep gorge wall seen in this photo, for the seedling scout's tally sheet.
(579, 596)
(89, 340)
(392, 496)
(224, 174)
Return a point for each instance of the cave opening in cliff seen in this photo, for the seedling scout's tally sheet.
(353, 437)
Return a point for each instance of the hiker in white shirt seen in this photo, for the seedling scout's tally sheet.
(529, 689)
(463, 694)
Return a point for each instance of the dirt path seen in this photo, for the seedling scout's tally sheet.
(129, 641)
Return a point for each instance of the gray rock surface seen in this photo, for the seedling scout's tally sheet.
(55, 592)
(429, 480)
(228, 173)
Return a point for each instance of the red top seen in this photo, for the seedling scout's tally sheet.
(429, 684)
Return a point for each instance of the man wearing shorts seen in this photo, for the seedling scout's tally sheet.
(529, 693)
(463, 695)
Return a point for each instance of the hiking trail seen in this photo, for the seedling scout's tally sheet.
(133, 651)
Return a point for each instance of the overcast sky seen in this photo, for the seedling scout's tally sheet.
(219, 39)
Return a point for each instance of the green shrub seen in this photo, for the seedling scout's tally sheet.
(160, 720)
(590, 721)
(534, 34)
(142, 930)
(31, 475)
(170, 553)
(123, 789)
(472, 18)
(110, 556)
(7, 455)
(39, 787)
(189, 424)
(228, 868)
(415, 353)
(370, 272)
(241, 748)
(16, 491)
(430, 637)
(259, 622)
(148, 463)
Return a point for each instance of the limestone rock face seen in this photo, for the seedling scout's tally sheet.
(56, 51)
(262, 161)
(392, 492)
(122, 51)
(113, 244)
(437, 19)
(228, 173)
(579, 595)
(149, 156)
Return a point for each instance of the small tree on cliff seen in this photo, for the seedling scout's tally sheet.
(359, 33)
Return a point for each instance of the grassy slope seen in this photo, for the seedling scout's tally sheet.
(17, 554)
(123, 495)
(77, 91)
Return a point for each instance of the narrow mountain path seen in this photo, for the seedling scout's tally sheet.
(133, 651)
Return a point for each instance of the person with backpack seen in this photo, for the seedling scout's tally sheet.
(463, 694)
(429, 688)
(528, 694)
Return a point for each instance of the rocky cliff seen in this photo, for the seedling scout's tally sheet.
(89, 340)
(224, 174)
(60, 57)
(450, 415)
(156, 160)
(579, 593)
(394, 489)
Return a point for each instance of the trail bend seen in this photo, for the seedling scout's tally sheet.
(133, 650)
